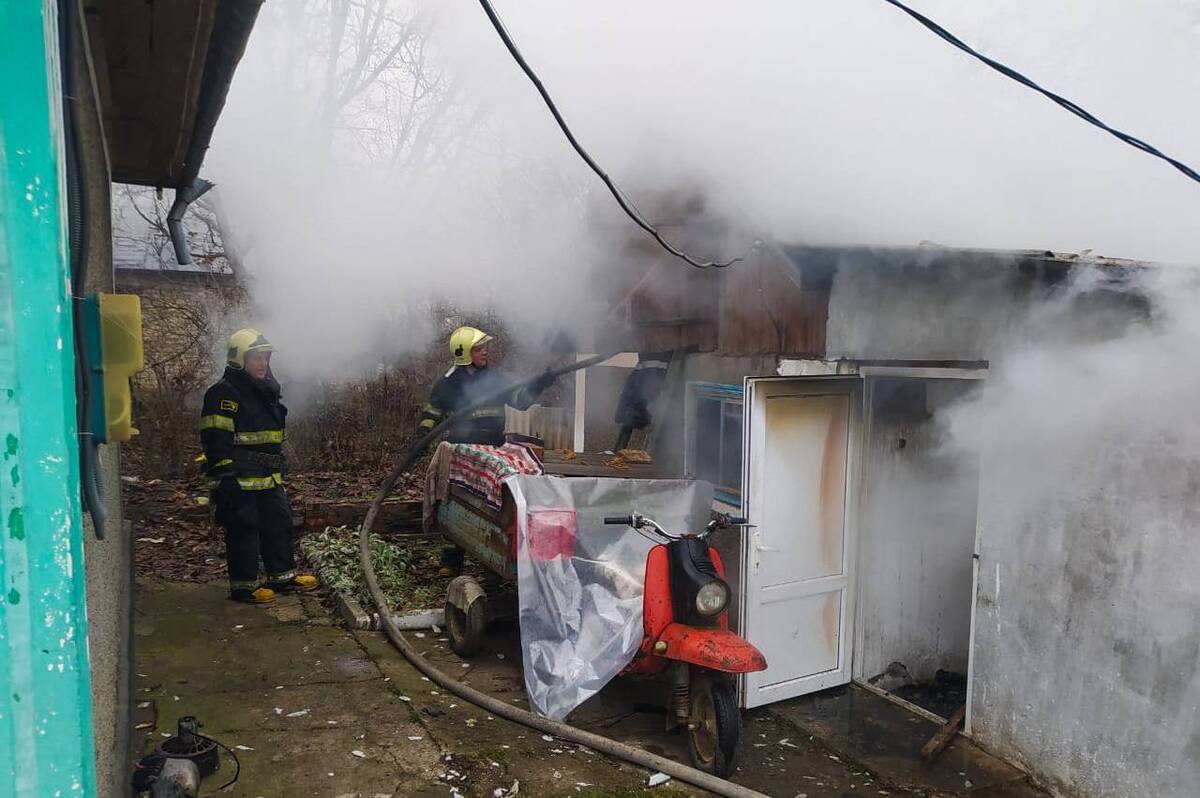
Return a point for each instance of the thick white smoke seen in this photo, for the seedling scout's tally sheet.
(825, 123)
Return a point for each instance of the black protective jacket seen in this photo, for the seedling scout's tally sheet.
(461, 387)
(641, 391)
(242, 429)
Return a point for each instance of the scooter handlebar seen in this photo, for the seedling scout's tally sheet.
(618, 520)
(739, 521)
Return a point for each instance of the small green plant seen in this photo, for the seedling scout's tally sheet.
(334, 553)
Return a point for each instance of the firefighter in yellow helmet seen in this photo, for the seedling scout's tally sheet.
(242, 429)
(469, 380)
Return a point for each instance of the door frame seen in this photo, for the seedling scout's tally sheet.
(752, 434)
(923, 372)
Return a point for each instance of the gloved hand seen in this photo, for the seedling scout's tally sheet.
(226, 491)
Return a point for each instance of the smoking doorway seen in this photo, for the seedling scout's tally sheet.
(917, 520)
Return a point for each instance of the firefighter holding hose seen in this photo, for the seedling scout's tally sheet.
(242, 429)
(468, 381)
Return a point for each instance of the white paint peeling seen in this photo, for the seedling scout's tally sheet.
(59, 344)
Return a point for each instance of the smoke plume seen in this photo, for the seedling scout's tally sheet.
(353, 207)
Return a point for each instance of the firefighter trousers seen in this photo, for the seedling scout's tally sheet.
(257, 523)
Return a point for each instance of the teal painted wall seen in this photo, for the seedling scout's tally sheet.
(46, 744)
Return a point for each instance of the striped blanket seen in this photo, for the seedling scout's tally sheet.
(483, 469)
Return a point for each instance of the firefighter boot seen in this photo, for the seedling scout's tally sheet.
(452, 562)
(297, 583)
(258, 595)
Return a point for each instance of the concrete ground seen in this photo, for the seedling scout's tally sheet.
(320, 711)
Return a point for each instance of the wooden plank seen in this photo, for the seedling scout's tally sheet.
(768, 306)
(944, 735)
(395, 514)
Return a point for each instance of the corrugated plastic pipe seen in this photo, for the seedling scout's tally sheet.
(495, 706)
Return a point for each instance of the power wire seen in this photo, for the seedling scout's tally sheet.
(237, 763)
(1074, 108)
(626, 205)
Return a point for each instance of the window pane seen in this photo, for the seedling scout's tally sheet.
(731, 460)
(707, 439)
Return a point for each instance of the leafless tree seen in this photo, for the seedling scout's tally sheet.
(378, 99)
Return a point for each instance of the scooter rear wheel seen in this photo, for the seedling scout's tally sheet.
(715, 726)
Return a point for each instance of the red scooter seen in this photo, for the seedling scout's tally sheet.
(686, 632)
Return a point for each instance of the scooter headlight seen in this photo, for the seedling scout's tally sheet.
(712, 598)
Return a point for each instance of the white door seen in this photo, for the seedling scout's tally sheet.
(798, 558)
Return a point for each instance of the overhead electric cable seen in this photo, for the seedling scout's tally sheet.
(1074, 108)
(618, 195)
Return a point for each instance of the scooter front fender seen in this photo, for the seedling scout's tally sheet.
(713, 648)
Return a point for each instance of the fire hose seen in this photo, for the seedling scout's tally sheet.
(495, 706)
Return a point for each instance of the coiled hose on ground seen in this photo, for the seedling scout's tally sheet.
(596, 742)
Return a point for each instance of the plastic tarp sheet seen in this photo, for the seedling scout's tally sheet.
(580, 582)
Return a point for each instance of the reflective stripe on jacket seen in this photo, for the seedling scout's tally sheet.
(242, 430)
(461, 387)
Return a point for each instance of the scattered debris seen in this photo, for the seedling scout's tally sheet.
(657, 779)
(299, 713)
(358, 754)
(243, 748)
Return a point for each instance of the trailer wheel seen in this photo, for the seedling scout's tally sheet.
(465, 629)
(715, 725)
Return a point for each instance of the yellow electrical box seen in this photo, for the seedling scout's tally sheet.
(121, 345)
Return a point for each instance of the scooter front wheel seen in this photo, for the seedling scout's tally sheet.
(715, 725)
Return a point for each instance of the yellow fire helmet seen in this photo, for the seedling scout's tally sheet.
(244, 341)
(463, 340)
